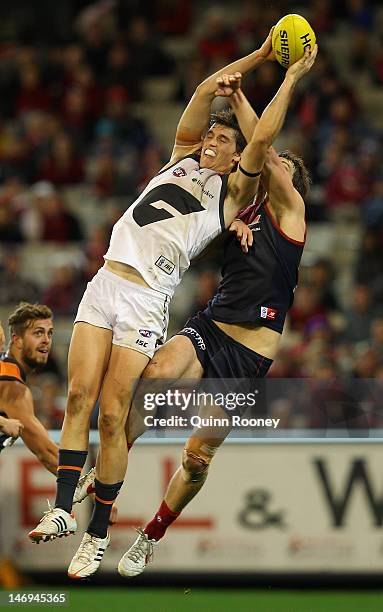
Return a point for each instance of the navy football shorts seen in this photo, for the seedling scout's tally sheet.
(228, 365)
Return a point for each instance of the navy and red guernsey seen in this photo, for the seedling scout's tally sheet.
(258, 287)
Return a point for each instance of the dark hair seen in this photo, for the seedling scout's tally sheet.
(228, 119)
(25, 314)
(301, 176)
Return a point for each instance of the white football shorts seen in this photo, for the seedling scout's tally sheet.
(137, 315)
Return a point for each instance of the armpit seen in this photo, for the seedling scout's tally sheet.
(232, 191)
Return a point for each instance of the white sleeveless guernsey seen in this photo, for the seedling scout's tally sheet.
(173, 220)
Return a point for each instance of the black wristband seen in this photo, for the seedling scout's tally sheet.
(249, 174)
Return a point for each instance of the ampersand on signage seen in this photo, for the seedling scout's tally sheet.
(256, 515)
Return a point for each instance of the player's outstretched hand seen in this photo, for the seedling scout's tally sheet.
(228, 84)
(302, 66)
(266, 50)
(243, 233)
(11, 427)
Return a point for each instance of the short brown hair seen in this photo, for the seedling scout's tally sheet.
(228, 119)
(24, 315)
(301, 176)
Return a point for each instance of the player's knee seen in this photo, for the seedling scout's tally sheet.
(79, 401)
(110, 424)
(158, 369)
(194, 467)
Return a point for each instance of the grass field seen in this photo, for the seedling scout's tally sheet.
(199, 600)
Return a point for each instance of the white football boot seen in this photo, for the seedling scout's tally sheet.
(88, 556)
(138, 556)
(85, 486)
(55, 523)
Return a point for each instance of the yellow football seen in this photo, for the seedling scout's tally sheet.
(291, 35)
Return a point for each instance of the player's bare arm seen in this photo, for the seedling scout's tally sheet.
(246, 116)
(18, 403)
(230, 86)
(243, 184)
(247, 119)
(195, 118)
(273, 117)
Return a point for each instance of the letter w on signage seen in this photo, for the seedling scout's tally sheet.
(358, 476)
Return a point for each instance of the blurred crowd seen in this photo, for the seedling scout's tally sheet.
(71, 84)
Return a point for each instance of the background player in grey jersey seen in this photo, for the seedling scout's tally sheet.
(236, 343)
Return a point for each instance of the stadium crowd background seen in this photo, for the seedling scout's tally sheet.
(90, 97)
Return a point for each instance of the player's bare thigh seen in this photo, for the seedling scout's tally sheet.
(175, 360)
(88, 358)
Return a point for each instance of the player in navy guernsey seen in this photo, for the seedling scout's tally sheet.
(238, 334)
(258, 284)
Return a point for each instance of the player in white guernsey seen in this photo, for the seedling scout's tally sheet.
(123, 314)
(176, 216)
(227, 340)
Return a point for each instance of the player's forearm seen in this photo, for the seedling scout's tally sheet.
(267, 128)
(46, 451)
(244, 65)
(273, 117)
(48, 456)
(50, 464)
(50, 460)
(246, 116)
